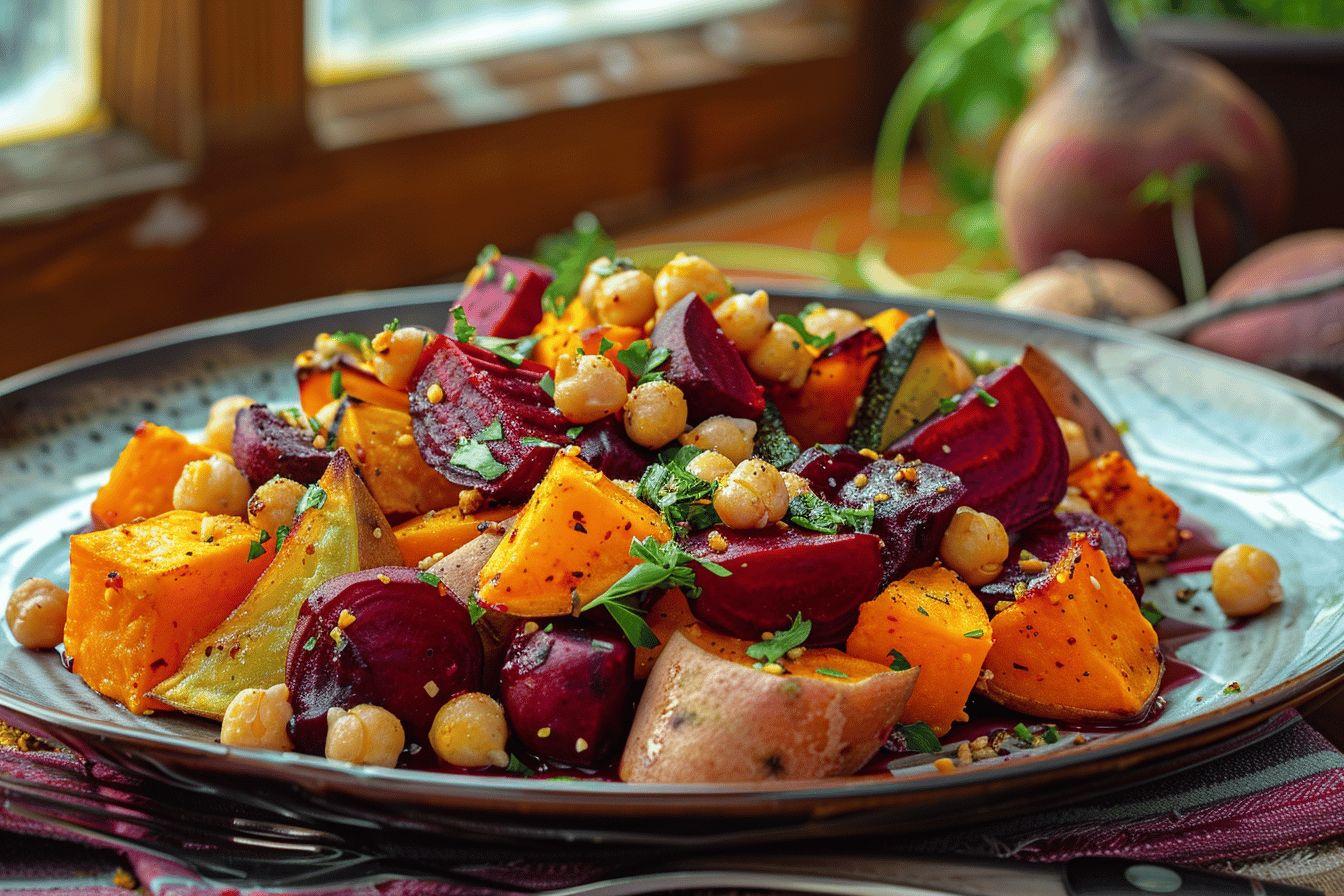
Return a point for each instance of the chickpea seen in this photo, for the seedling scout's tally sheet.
(840, 321)
(469, 730)
(212, 485)
(273, 504)
(655, 413)
(1074, 502)
(395, 353)
(753, 496)
(733, 437)
(219, 425)
(36, 614)
(258, 718)
(625, 298)
(365, 735)
(745, 319)
(1246, 580)
(975, 546)
(796, 485)
(710, 466)
(588, 387)
(1075, 440)
(781, 357)
(591, 277)
(686, 274)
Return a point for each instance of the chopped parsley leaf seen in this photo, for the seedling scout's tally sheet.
(989, 400)
(1024, 735)
(642, 360)
(569, 254)
(975, 633)
(547, 384)
(256, 548)
(898, 661)
(796, 324)
(534, 442)
(476, 457)
(337, 386)
(1051, 734)
(510, 281)
(774, 649)
(573, 431)
(474, 609)
(808, 511)
(917, 737)
(428, 578)
(463, 331)
(281, 533)
(831, 673)
(312, 499)
(356, 341)
(1152, 613)
(492, 433)
(310, 643)
(663, 565)
(948, 405)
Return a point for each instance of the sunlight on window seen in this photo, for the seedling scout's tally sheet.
(353, 39)
(48, 73)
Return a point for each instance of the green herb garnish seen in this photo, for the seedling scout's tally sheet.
(684, 499)
(974, 633)
(474, 609)
(534, 442)
(310, 643)
(642, 360)
(428, 578)
(569, 254)
(256, 548)
(476, 457)
(948, 405)
(574, 431)
(492, 433)
(663, 565)
(547, 384)
(796, 324)
(989, 400)
(774, 649)
(510, 281)
(898, 661)
(463, 331)
(1152, 613)
(312, 499)
(1051, 734)
(281, 533)
(918, 737)
(337, 386)
(1024, 735)
(831, 673)
(808, 511)
(392, 325)
(356, 341)
(516, 767)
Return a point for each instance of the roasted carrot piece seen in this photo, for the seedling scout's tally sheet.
(141, 483)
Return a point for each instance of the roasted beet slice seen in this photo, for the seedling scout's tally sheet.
(1048, 540)
(478, 389)
(264, 446)
(1004, 443)
(409, 648)
(506, 300)
(828, 467)
(704, 363)
(568, 691)
(912, 503)
(605, 446)
(776, 573)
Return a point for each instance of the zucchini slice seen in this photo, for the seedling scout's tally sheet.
(917, 372)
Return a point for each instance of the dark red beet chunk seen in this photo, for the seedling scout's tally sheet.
(912, 519)
(495, 309)
(406, 634)
(1048, 540)
(264, 446)
(568, 691)
(776, 573)
(1007, 448)
(704, 364)
(480, 388)
(828, 467)
(604, 446)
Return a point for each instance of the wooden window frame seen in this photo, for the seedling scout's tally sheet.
(226, 181)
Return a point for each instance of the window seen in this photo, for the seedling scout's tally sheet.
(48, 71)
(353, 39)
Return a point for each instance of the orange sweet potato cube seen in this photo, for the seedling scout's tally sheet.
(142, 480)
(142, 593)
(930, 619)
(1121, 495)
(443, 531)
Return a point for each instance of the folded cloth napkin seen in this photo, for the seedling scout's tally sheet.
(1273, 810)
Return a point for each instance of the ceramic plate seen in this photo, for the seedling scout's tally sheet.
(1256, 456)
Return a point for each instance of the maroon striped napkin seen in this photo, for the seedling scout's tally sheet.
(1274, 810)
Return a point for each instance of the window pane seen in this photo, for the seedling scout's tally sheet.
(48, 74)
(350, 39)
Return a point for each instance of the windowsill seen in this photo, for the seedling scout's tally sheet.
(577, 75)
(47, 177)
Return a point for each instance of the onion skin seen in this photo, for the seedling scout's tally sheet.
(1298, 336)
(1070, 166)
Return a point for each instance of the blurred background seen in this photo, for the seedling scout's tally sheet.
(163, 161)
